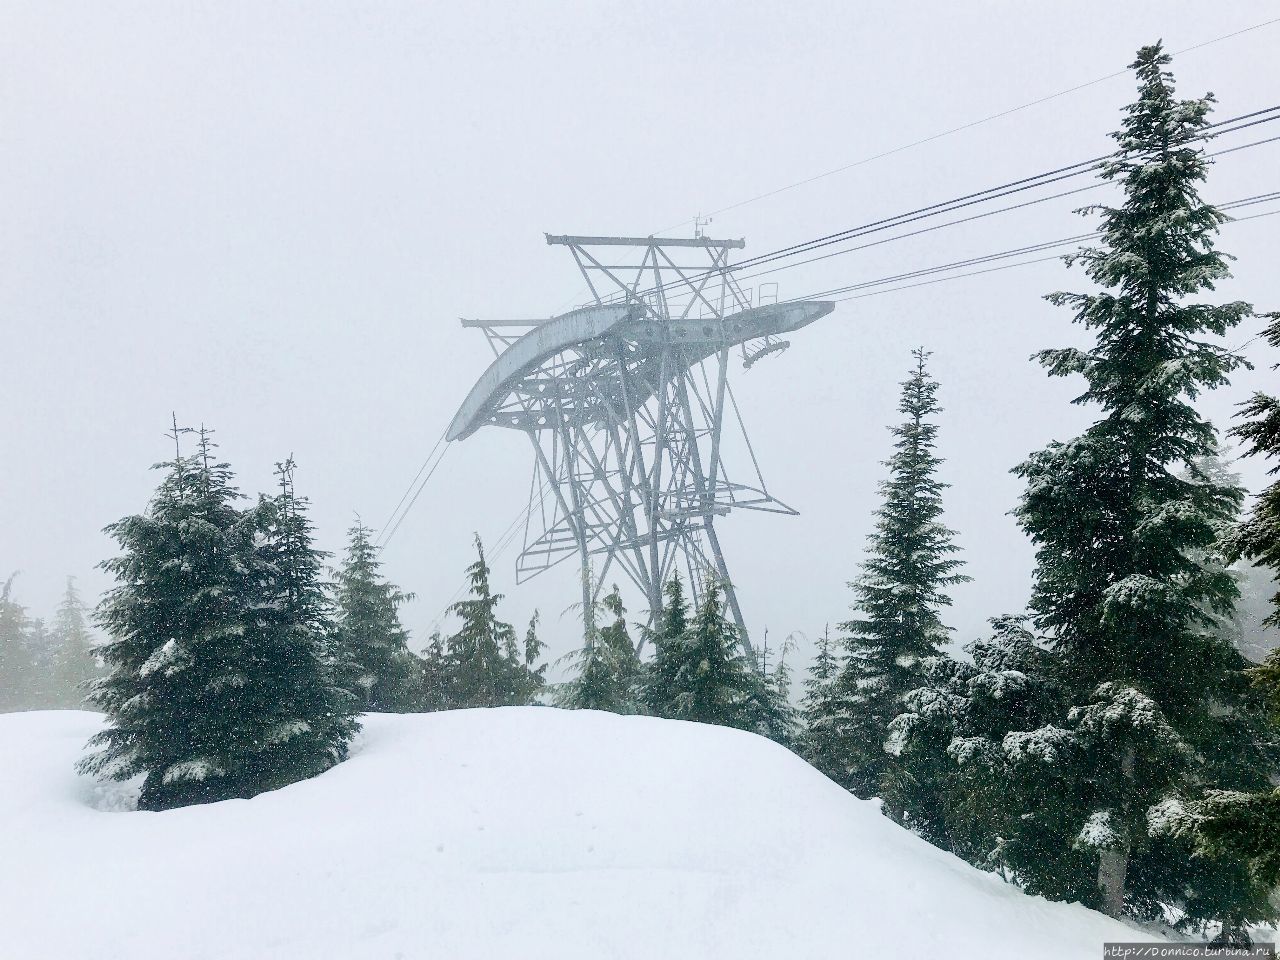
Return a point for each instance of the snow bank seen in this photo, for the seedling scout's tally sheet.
(521, 832)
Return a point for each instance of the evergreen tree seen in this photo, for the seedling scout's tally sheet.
(210, 694)
(716, 681)
(981, 769)
(435, 680)
(911, 562)
(42, 691)
(607, 667)
(299, 678)
(17, 667)
(533, 679)
(73, 664)
(375, 661)
(660, 684)
(820, 712)
(484, 664)
(1119, 536)
(775, 716)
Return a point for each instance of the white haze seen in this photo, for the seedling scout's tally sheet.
(268, 218)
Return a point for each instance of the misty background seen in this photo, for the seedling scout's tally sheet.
(268, 218)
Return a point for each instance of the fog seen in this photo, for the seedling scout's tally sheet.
(268, 219)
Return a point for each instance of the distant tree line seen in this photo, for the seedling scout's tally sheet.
(44, 666)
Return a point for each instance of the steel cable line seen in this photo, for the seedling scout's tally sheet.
(404, 496)
(1016, 251)
(414, 499)
(969, 219)
(946, 133)
(1221, 128)
(965, 126)
(1266, 115)
(1007, 266)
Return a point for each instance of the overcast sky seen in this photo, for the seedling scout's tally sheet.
(268, 218)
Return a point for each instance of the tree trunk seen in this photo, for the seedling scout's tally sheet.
(1113, 863)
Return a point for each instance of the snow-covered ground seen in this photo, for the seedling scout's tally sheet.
(521, 832)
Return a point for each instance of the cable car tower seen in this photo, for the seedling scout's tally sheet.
(625, 402)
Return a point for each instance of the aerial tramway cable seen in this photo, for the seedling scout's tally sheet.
(966, 126)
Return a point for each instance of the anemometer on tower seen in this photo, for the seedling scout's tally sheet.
(624, 401)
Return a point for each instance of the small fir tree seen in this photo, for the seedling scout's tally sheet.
(18, 668)
(483, 663)
(820, 712)
(660, 680)
(372, 647)
(607, 668)
(776, 717)
(73, 663)
(435, 680)
(716, 681)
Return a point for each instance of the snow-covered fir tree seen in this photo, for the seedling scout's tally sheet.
(776, 716)
(435, 681)
(660, 684)
(715, 681)
(820, 713)
(534, 678)
(300, 677)
(72, 663)
(1119, 585)
(980, 768)
(911, 561)
(372, 646)
(484, 664)
(607, 668)
(211, 692)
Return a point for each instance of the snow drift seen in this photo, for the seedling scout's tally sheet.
(518, 832)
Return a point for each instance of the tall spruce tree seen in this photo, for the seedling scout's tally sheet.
(73, 664)
(607, 668)
(1119, 583)
(910, 564)
(372, 647)
(484, 665)
(211, 693)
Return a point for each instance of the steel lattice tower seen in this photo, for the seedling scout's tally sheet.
(625, 401)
